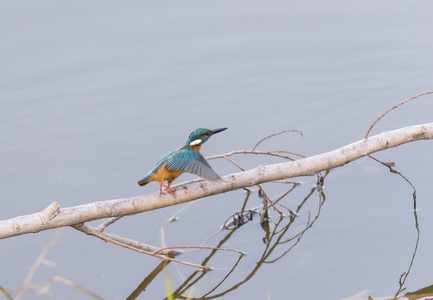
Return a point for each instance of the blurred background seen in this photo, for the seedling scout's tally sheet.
(93, 93)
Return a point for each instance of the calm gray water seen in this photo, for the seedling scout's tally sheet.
(92, 93)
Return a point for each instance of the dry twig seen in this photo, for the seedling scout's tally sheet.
(392, 108)
(392, 164)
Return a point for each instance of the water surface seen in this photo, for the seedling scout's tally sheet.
(92, 94)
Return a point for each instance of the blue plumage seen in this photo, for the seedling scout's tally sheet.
(185, 159)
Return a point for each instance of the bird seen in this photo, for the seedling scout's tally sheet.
(185, 159)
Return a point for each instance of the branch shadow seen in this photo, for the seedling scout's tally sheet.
(278, 240)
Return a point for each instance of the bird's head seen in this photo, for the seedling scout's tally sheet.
(201, 135)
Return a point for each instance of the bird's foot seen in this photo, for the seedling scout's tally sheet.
(169, 189)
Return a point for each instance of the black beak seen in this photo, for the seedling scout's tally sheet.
(212, 132)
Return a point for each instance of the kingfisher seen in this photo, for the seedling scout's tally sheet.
(185, 159)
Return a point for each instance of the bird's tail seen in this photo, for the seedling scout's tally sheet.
(144, 181)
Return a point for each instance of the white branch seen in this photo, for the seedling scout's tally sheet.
(54, 216)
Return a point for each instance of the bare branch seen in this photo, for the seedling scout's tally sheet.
(198, 247)
(115, 239)
(304, 167)
(135, 245)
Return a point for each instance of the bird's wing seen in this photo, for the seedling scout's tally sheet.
(191, 162)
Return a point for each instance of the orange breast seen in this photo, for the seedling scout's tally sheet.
(163, 174)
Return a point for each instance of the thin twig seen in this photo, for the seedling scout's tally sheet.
(390, 165)
(107, 223)
(286, 182)
(392, 108)
(392, 170)
(108, 237)
(199, 247)
(233, 162)
(270, 201)
(404, 276)
(91, 231)
(270, 153)
(269, 136)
